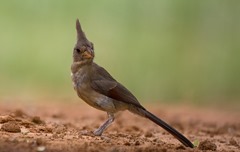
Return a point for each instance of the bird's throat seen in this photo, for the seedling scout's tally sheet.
(76, 66)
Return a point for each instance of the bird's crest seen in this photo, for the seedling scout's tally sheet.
(80, 34)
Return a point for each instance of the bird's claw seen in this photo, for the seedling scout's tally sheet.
(97, 132)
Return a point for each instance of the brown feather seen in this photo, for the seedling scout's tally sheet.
(104, 83)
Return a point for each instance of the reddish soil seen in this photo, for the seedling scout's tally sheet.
(68, 127)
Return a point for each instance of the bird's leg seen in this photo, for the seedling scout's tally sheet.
(104, 126)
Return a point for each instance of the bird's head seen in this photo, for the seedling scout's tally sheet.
(83, 50)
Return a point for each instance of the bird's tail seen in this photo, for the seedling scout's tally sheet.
(171, 130)
(164, 125)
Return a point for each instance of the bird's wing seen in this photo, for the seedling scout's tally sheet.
(104, 83)
(115, 91)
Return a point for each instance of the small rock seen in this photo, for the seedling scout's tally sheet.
(19, 113)
(31, 135)
(39, 141)
(57, 115)
(54, 136)
(148, 134)
(233, 142)
(7, 118)
(45, 129)
(26, 123)
(137, 143)
(155, 140)
(135, 128)
(37, 120)
(207, 145)
(41, 148)
(11, 126)
(24, 131)
(127, 144)
(60, 129)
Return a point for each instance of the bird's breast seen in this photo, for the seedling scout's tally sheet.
(73, 81)
(78, 79)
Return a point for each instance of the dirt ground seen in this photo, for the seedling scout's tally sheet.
(68, 127)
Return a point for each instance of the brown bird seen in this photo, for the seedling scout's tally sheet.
(100, 90)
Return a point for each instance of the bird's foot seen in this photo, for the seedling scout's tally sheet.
(97, 132)
(104, 126)
(86, 133)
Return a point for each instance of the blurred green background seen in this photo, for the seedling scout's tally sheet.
(161, 50)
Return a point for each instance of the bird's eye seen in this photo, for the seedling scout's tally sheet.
(78, 50)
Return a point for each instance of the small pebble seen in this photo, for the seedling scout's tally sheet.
(41, 148)
(11, 126)
(39, 141)
(233, 142)
(148, 134)
(207, 145)
(127, 144)
(37, 120)
(4, 119)
(137, 143)
(24, 131)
